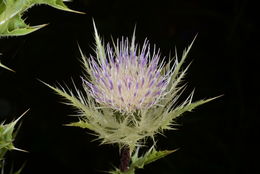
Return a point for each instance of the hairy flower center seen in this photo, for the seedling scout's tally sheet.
(128, 82)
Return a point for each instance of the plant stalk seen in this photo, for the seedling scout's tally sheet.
(124, 159)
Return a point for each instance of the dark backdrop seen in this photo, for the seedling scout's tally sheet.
(219, 137)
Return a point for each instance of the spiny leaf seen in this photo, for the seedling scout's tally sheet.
(58, 4)
(139, 162)
(155, 155)
(149, 157)
(10, 126)
(7, 135)
(11, 15)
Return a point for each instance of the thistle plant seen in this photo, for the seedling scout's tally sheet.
(130, 94)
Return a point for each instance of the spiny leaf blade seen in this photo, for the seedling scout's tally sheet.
(149, 157)
(11, 15)
(154, 156)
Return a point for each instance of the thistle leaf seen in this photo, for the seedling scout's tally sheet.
(58, 4)
(7, 135)
(155, 155)
(150, 156)
(139, 162)
(11, 15)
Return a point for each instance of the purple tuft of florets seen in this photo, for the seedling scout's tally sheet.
(127, 79)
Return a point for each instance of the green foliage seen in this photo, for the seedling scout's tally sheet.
(7, 135)
(12, 23)
(11, 15)
(138, 162)
(150, 156)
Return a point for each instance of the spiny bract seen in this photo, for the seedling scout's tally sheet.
(129, 94)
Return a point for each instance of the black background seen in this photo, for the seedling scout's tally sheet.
(219, 137)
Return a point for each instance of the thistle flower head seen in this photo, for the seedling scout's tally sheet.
(130, 93)
(127, 79)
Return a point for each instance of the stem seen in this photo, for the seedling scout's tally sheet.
(124, 159)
